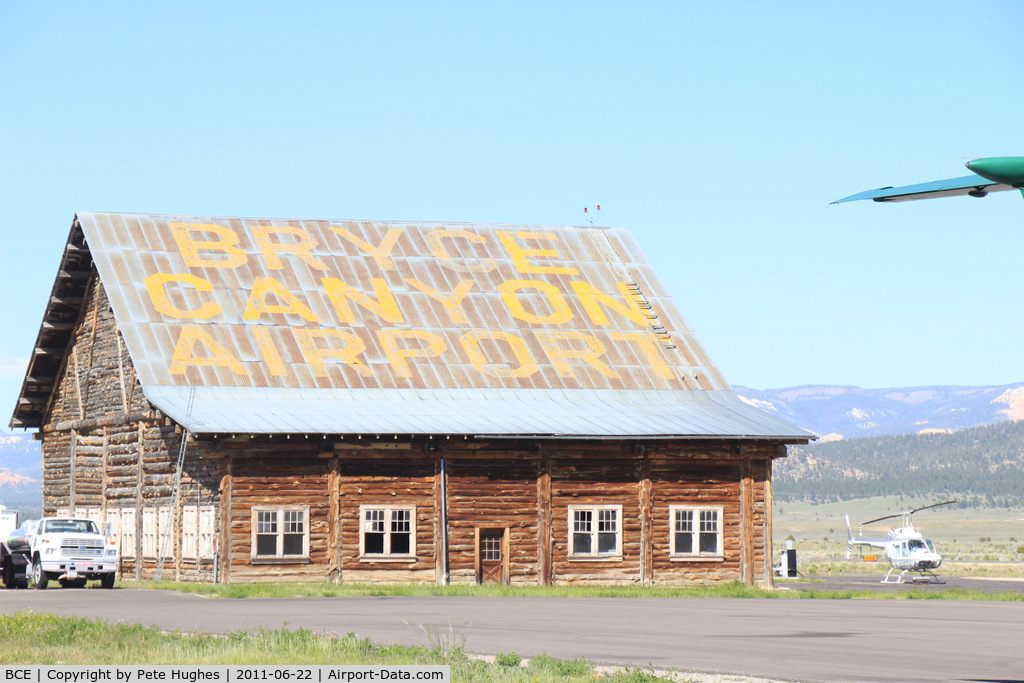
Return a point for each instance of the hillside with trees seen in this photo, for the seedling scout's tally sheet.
(982, 466)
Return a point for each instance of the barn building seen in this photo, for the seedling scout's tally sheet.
(308, 400)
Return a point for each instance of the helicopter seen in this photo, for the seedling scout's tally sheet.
(905, 548)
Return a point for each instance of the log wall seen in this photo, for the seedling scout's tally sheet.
(493, 490)
(595, 473)
(97, 379)
(269, 474)
(381, 478)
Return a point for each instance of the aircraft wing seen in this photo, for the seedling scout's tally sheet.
(950, 187)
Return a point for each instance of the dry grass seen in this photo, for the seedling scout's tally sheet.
(972, 541)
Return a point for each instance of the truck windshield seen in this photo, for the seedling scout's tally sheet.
(75, 526)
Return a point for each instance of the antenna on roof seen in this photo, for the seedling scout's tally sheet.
(591, 219)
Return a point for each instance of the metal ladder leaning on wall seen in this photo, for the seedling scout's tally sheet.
(165, 537)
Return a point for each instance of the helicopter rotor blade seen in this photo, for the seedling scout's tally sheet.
(909, 512)
(934, 505)
(898, 514)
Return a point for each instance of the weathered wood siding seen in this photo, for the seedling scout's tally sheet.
(97, 379)
(379, 477)
(496, 490)
(695, 482)
(598, 473)
(268, 473)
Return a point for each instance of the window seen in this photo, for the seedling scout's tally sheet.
(155, 522)
(387, 532)
(113, 521)
(127, 532)
(189, 539)
(696, 531)
(596, 531)
(280, 533)
(197, 531)
(207, 525)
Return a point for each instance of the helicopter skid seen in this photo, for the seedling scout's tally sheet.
(924, 576)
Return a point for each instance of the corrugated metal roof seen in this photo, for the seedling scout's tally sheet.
(585, 413)
(338, 326)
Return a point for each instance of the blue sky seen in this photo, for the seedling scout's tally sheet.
(717, 132)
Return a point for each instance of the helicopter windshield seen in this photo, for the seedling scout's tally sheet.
(931, 546)
(915, 544)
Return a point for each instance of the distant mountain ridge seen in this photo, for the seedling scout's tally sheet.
(846, 412)
(21, 472)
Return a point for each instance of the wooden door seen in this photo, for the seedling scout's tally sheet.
(492, 556)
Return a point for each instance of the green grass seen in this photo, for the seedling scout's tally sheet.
(729, 590)
(46, 639)
(332, 590)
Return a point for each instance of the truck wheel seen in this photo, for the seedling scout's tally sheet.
(40, 577)
(107, 580)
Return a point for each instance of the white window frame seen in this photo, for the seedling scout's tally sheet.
(113, 519)
(154, 524)
(197, 531)
(387, 519)
(594, 529)
(283, 516)
(127, 535)
(189, 531)
(92, 513)
(207, 530)
(701, 518)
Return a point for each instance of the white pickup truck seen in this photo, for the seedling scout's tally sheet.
(70, 550)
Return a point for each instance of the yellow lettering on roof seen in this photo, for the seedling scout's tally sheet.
(380, 253)
(451, 302)
(560, 355)
(268, 349)
(257, 304)
(437, 248)
(216, 355)
(651, 348)
(526, 363)
(560, 312)
(398, 355)
(314, 354)
(593, 299)
(384, 305)
(156, 286)
(520, 254)
(226, 244)
(270, 248)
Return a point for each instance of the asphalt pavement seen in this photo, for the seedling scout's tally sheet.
(781, 639)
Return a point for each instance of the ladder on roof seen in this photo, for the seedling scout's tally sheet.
(165, 539)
